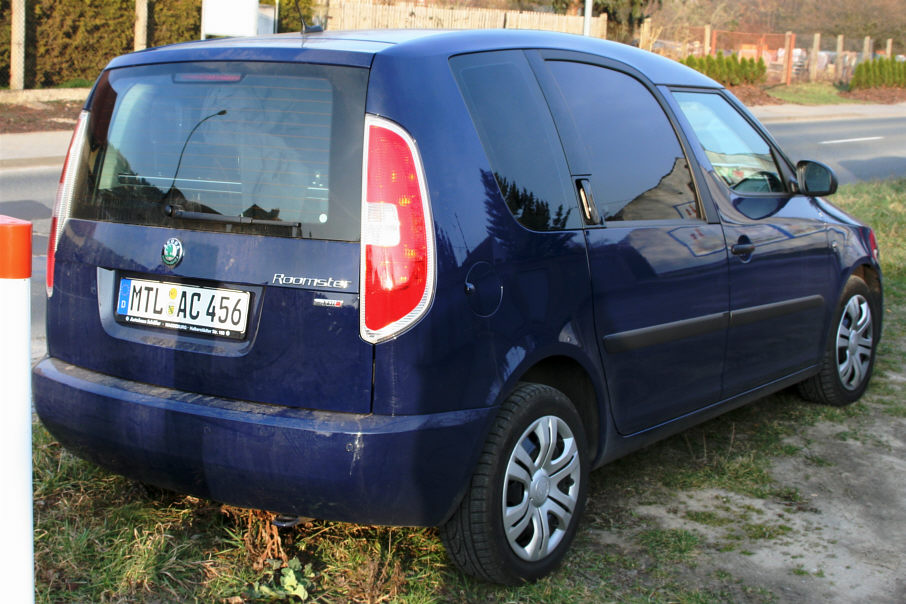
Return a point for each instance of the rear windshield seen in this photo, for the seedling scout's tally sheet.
(256, 148)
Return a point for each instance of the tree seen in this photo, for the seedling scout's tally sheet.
(628, 14)
(623, 16)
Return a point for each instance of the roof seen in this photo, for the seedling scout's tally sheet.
(358, 48)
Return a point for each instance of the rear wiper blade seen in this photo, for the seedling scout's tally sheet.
(174, 211)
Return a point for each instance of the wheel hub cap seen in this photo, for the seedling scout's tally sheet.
(541, 488)
(854, 343)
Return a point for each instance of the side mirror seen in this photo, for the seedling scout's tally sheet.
(815, 178)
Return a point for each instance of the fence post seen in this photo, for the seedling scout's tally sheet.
(17, 47)
(866, 49)
(714, 42)
(789, 44)
(141, 25)
(15, 430)
(889, 48)
(707, 40)
(813, 58)
(838, 64)
(645, 34)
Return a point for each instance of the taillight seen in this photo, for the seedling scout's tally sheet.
(63, 203)
(398, 271)
(873, 244)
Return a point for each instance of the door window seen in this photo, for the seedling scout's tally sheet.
(639, 170)
(739, 155)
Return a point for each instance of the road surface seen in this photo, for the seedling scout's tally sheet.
(863, 149)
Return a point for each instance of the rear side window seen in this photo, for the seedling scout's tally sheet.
(518, 134)
(639, 170)
(261, 148)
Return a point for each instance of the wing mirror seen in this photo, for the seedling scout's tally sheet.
(815, 179)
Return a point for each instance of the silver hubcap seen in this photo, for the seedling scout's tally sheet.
(541, 488)
(854, 342)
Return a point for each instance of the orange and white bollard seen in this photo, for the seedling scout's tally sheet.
(15, 429)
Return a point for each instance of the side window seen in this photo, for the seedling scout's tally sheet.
(639, 171)
(740, 156)
(518, 134)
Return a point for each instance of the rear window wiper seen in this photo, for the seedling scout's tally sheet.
(175, 211)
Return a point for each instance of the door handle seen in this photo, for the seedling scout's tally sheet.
(742, 249)
(589, 209)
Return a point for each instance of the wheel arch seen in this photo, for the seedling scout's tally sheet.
(568, 376)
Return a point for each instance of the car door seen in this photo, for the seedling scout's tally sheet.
(658, 264)
(780, 269)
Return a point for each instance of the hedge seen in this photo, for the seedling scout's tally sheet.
(68, 40)
(729, 70)
(879, 73)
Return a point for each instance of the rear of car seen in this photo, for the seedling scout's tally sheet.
(231, 239)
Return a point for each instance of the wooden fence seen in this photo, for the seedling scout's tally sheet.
(362, 15)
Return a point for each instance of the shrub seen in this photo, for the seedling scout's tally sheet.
(878, 73)
(728, 70)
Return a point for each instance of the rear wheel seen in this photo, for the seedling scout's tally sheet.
(850, 352)
(527, 494)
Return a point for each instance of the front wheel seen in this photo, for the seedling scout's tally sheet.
(850, 352)
(527, 494)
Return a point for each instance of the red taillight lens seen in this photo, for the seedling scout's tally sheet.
(63, 203)
(873, 244)
(397, 236)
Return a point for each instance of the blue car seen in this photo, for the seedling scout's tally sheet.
(432, 278)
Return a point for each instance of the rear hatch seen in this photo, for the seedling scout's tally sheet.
(212, 240)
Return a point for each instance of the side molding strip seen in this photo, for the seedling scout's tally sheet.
(753, 314)
(634, 339)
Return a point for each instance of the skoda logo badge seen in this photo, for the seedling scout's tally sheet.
(172, 252)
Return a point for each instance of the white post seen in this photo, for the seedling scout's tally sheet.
(586, 30)
(15, 429)
(141, 25)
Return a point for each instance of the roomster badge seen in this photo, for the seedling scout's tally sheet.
(171, 253)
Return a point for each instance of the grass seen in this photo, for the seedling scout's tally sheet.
(810, 93)
(103, 538)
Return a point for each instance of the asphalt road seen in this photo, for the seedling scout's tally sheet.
(857, 149)
(863, 149)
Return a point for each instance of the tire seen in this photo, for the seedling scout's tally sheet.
(527, 494)
(849, 355)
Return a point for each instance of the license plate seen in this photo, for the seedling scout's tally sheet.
(202, 310)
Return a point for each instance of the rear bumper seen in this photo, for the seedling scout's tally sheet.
(369, 469)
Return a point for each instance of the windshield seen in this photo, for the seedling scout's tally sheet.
(264, 148)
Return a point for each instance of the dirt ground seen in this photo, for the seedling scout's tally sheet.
(39, 117)
(843, 543)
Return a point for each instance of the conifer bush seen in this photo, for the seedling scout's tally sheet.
(729, 70)
(879, 73)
